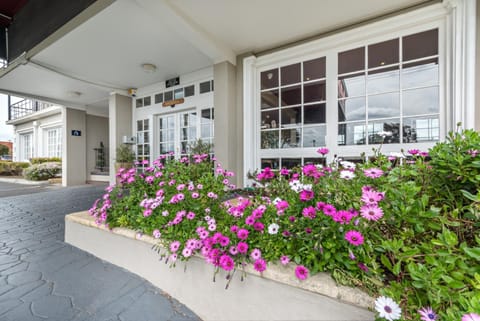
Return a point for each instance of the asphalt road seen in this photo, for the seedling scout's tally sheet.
(13, 189)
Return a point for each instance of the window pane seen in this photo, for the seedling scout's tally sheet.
(314, 69)
(139, 102)
(421, 129)
(146, 150)
(314, 92)
(291, 96)
(168, 95)
(351, 109)
(314, 160)
(158, 98)
(205, 87)
(420, 101)
(269, 79)
(291, 138)
(314, 114)
(384, 105)
(145, 137)
(351, 60)
(420, 73)
(314, 136)
(384, 53)
(145, 124)
(206, 131)
(420, 45)
(205, 115)
(269, 139)
(189, 91)
(376, 131)
(351, 86)
(270, 119)
(140, 125)
(273, 163)
(291, 116)
(147, 101)
(269, 99)
(140, 149)
(351, 134)
(290, 74)
(178, 93)
(384, 80)
(291, 162)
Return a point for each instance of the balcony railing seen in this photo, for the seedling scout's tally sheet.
(26, 107)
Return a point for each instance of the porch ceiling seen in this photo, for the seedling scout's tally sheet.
(105, 53)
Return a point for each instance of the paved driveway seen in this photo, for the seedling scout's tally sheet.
(42, 278)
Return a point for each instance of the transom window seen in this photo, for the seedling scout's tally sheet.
(389, 91)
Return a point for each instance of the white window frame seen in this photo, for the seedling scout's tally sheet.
(427, 18)
(25, 154)
(53, 148)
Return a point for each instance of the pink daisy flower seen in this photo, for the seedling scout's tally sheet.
(471, 317)
(242, 234)
(226, 262)
(260, 265)
(284, 260)
(256, 254)
(371, 212)
(342, 217)
(242, 247)
(174, 246)
(354, 237)
(371, 197)
(309, 212)
(373, 172)
(301, 272)
(323, 151)
(329, 210)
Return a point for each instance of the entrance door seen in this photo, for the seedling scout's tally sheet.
(177, 132)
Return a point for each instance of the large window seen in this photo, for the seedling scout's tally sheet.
(385, 91)
(54, 142)
(26, 147)
(143, 140)
(389, 91)
(293, 105)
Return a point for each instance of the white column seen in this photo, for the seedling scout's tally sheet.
(250, 119)
(74, 160)
(120, 124)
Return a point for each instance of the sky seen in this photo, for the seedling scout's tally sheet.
(6, 131)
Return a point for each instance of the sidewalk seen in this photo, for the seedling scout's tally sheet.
(21, 180)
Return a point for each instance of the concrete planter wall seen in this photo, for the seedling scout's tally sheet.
(274, 295)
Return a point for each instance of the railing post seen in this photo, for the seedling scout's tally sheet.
(9, 108)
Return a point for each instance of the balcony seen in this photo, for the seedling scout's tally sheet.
(26, 107)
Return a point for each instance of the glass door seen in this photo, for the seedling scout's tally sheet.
(177, 132)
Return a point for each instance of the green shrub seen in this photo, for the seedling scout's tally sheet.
(390, 227)
(43, 171)
(125, 154)
(8, 168)
(41, 160)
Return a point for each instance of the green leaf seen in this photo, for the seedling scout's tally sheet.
(397, 267)
(386, 262)
(456, 284)
(473, 252)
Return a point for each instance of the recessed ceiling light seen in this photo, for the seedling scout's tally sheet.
(149, 67)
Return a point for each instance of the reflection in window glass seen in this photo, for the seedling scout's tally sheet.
(168, 95)
(351, 109)
(384, 105)
(421, 129)
(147, 101)
(314, 92)
(159, 98)
(291, 162)
(139, 102)
(314, 114)
(273, 163)
(420, 101)
(314, 160)
(377, 130)
(420, 73)
(383, 80)
(270, 119)
(269, 99)
(314, 69)
(290, 74)
(314, 136)
(291, 138)
(269, 79)
(291, 95)
(351, 86)
(269, 139)
(351, 134)
(139, 125)
(178, 93)
(291, 116)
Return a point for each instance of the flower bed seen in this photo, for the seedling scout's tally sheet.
(404, 227)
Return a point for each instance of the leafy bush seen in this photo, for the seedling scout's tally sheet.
(41, 160)
(125, 154)
(43, 171)
(8, 168)
(385, 226)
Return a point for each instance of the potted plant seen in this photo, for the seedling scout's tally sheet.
(125, 157)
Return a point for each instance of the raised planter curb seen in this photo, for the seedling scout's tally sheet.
(274, 295)
(17, 180)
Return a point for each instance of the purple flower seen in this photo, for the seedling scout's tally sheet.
(323, 150)
(242, 234)
(427, 314)
(187, 252)
(156, 234)
(226, 262)
(373, 172)
(342, 217)
(371, 212)
(309, 212)
(256, 254)
(224, 240)
(260, 265)
(249, 220)
(284, 260)
(354, 237)
(471, 317)
(306, 195)
(301, 272)
(329, 210)
(284, 172)
(242, 247)
(174, 246)
(413, 151)
(258, 226)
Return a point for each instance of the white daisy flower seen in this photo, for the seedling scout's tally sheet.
(348, 165)
(397, 155)
(346, 175)
(387, 308)
(273, 228)
(276, 200)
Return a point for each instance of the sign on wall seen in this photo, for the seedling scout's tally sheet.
(76, 132)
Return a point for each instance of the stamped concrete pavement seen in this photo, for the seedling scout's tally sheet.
(43, 278)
